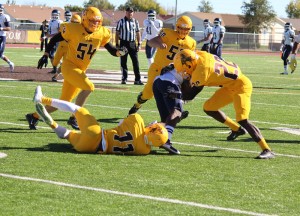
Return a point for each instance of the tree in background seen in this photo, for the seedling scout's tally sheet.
(143, 5)
(258, 14)
(293, 9)
(13, 2)
(74, 8)
(205, 7)
(101, 4)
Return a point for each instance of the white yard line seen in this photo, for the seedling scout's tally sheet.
(139, 196)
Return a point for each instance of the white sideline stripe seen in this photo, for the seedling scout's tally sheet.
(180, 143)
(140, 196)
(232, 149)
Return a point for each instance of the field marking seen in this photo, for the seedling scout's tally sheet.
(180, 143)
(140, 196)
(3, 155)
(287, 130)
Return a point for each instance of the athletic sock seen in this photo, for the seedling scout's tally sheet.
(231, 124)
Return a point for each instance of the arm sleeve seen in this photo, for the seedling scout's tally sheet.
(56, 38)
(111, 49)
(191, 93)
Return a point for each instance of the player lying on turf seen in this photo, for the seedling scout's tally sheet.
(204, 69)
(129, 137)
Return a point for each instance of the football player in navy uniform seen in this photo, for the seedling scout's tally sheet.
(62, 47)
(287, 45)
(4, 27)
(207, 36)
(53, 29)
(152, 26)
(167, 94)
(217, 39)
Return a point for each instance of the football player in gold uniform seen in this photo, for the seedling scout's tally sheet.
(168, 42)
(129, 137)
(204, 69)
(62, 49)
(83, 41)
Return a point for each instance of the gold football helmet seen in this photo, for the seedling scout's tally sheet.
(91, 19)
(76, 18)
(185, 62)
(156, 135)
(183, 26)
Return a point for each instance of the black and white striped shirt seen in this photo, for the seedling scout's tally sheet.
(128, 29)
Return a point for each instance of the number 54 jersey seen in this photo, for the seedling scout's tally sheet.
(82, 45)
(127, 137)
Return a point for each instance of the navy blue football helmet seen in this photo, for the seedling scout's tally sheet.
(55, 14)
(151, 15)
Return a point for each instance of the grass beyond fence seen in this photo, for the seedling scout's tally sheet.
(42, 175)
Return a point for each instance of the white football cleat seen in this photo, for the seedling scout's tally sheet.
(45, 116)
(11, 67)
(37, 98)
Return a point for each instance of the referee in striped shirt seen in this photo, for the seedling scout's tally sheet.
(128, 35)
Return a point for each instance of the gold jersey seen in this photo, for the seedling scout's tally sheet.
(212, 71)
(82, 45)
(174, 44)
(127, 138)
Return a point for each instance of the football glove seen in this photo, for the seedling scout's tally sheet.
(293, 63)
(122, 51)
(42, 62)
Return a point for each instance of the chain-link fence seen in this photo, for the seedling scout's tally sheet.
(232, 41)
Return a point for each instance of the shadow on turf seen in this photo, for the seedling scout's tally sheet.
(52, 147)
(21, 130)
(67, 148)
(185, 154)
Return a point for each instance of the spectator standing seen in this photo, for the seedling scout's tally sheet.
(217, 39)
(287, 45)
(152, 27)
(4, 27)
(128, 35)
(44, 30)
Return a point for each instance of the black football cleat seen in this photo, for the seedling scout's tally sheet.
(169, 148)
(235, 134)
(32, 121)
